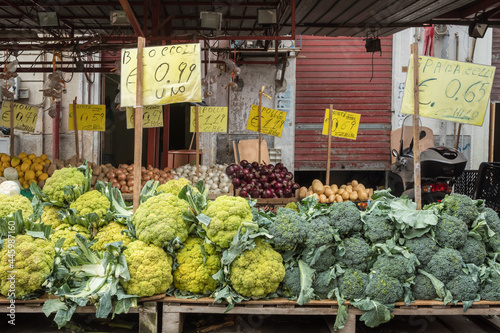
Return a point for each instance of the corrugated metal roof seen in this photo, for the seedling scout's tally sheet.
(495, 61)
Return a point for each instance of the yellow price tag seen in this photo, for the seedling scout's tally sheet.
(450, 90)
(211, 119)
(272, 121)
(152, 116)
(344, 124)
(25, 116)
(88, 117)
(171, 74)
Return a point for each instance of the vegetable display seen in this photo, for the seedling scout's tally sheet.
(352, 191)
(262, 181)
(214, 176)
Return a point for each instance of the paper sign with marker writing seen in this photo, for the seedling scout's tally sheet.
(152, 116)
(211, 119)
(450, 90)
(171, 74)
(344, 124)
(272, 121)
(25, 116)
(88, 117)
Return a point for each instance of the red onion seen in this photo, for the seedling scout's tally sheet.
(236, 182)
(278, 185)
(268, 194)
(279, 165)
(288, 194)
(243, 163)
(295, 186)
(289, 175)
(244, 193)
(255, 165)
(255, 194)
(285, 183)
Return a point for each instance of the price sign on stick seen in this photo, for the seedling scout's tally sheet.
(272, 122)
(152, 116)
(89, 117)
(344, 124)
(25, 116)
(211, 118)
(172, 74)
(450, 90)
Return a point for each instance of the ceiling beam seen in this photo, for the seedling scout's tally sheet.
(131, 16)
(471, 10)
(165, 3)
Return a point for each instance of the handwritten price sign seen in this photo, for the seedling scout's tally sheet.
(344, 124)
(211, 119)
(272, 121)
(25, 116)
(89, 117)
(152, 116)
(171, 74)
(450, 90)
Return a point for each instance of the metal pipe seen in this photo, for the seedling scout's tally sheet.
(55, 132)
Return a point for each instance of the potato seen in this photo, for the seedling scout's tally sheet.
(310, 188)
(59, 164)
(316, 195)
(360, 187)
(309, 193)
(41, 183)
(362, 195)
(46, 167)
(343, 186)
(51, 169)
(96, 170)
(104, 169)
(93, 180)
(101, 177)
(338, 198)
(318, 187)
(331, 198)
(354, 182)
(322, 198)
(303, 192)
(345, 195)
(348, 188)
(334, 188)
(353, 196)
(340, 191)
(328, 192)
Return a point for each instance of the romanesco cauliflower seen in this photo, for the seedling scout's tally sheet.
(197, 263)
(50, 216)
(68, 232)
(91, 202)
(257, 272)
(159, 220)
(32, 262)
(110, 233)
(150, 269)
(13, 203)
(227, 215)
(173, 186)
(54, 185)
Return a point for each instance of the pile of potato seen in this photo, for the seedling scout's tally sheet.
(352, 191)
(123, 176)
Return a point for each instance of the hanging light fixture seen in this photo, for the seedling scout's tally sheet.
(478, 27)
(48, 19)
(210, 20)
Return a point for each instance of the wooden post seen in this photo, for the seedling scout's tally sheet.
(76, 130)
(260, 124)
(197, 129)
(491, 154)
(416, 130)
(328, 160)
(141, 41)
(12, 128)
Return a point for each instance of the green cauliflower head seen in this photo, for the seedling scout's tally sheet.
(159, 220)
(227, 215)
(10, 204)
(54, 185)
(197, 263)
(150, 269)
(68, 232)
(50, 216)
(91, 202)
(173, 186)
(110, 233)
(33, 260)
(257, 272)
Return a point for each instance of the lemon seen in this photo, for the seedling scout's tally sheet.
(32, 156)
(5, 158)
(25, 166)
(29, 175)
(38, 167)
(6, 164)
(15, 162)
(20, 173)
(22, 155)
(43, 176)
(43, 157)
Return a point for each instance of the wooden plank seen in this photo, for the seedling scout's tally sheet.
(148, 318)
(350, 325)
(141, 41)
(459, 324)
(172, 322)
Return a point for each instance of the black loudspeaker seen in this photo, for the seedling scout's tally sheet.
(373, 45)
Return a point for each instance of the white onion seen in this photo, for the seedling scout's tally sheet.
(209, 182)
(214, 186)
(225, 189)
(176, 177)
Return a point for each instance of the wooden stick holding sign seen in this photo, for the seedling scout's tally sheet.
(197, 129)
(261, 92)
(328, 160)
(416, 129)
(141, 41)
(76, 130)
(11, 128)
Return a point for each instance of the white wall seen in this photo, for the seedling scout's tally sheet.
(444, 47)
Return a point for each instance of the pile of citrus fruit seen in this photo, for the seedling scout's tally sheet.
(29, 167)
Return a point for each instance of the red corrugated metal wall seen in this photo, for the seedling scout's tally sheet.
(337, 71)
(495, 61)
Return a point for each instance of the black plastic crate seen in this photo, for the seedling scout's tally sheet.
(465, 183)
(488, 184)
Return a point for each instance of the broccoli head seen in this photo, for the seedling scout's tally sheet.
(227, 215)
(451, 232)
(357, 253)
(110, 233)
(319, 232)
(323, 284)
(423, 247)
(91, 202)
(173, 186)
(325, 260)
(384, 289)
(492, 219)
(68, 232)
(393, 266)
(13, 203)
(463, 288)
(159, 220)
(197, 263)
(422, 288)
(491, 290)
(473, 251)
(288, 229)
(377, 228)
(50, 216)
(257, 272)
(445, 264)
(150, 269)
(353, 283)
(345, 217)
(494, 243)
(24, 263)
(461, 207)
(55, 184)
(291, 282)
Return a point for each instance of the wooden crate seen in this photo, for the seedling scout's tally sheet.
(147, 310)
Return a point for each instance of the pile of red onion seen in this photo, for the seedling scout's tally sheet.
(262, 181)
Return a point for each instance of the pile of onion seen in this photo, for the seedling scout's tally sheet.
(262, 181)
(123, 176)
(214, 176)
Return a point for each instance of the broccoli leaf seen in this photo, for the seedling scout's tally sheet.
(412, 222)
(441, 291)
(342, 312)
(374, 313)
(64, 311)
(306, 279)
